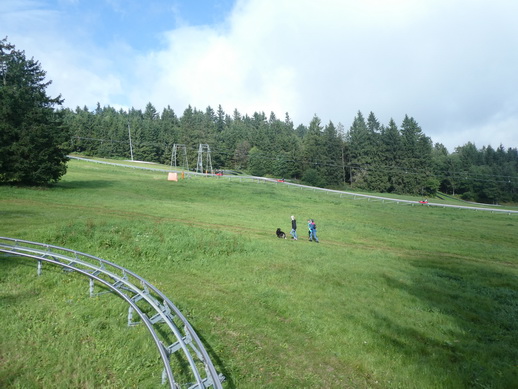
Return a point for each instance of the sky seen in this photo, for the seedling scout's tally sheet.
(452, 65)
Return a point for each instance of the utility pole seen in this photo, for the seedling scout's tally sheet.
(343, 164)
(6, 49)
(131, 147)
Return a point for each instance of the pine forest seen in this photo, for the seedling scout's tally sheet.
(368, 156)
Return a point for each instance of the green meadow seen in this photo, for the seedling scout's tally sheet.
(393, 296)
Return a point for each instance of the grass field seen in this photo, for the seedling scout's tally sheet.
(394, 296)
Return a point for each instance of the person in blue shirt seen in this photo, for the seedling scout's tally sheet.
(312, 231)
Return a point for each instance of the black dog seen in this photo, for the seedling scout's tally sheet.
(280, 234)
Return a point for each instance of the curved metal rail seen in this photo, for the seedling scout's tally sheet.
(151, 305)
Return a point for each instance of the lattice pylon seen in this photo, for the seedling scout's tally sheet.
(175, 152)
(199, 167)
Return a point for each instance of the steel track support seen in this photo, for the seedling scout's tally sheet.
(122, 282)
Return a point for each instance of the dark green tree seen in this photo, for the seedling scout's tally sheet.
(467, 157)
(417, 159)
(150, 148)
(377, 178)
(82, 127)
(33, 138)
(361, 151)
(220, 119)
(314, 156)
(240, 158)
(169, 128)
(391, 154)
(233, 141)
(259, 163)
(332, 170)
(312, 177)
(441, 163)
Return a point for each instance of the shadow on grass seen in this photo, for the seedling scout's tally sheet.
(183, 364)
(218, 363)
(465, 324)
(10, 264)
(76, 184)
(84, 184)
(17, 213)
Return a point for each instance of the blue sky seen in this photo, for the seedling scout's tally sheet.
(449, 64)
(136, 22)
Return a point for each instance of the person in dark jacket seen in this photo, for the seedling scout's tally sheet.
(293, 231)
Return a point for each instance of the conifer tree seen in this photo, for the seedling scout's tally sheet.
(417, 159)
(391, 153)
(314, 154)
(33, 138)
(360, 153)
(332, 169)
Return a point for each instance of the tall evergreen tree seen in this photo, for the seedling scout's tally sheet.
(417, 159)
(169, 129)
(33, 138)
(220, 119)
(314, 156)
(360, 151)
(376, 179)
(391, 154)
(151, 149)
(332, 169)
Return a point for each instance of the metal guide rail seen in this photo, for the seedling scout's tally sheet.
(169, 329)
(354, 195)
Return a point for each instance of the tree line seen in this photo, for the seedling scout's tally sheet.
(36, 135)
(367, 156)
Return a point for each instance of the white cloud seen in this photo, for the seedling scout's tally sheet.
(450, 65)
(81, 72)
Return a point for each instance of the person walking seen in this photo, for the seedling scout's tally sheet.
(293, 231)
(313, 230)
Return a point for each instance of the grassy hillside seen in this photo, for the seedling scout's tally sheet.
(394, 296)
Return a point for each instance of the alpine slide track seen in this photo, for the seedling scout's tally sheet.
(169, 329)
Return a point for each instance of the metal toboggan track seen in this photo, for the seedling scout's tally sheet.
(161, 317)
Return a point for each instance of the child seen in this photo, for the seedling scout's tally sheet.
(312, 230)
